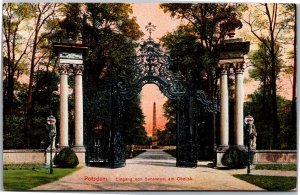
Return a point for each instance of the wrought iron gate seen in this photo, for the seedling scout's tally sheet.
(106, 142)
(152, 66)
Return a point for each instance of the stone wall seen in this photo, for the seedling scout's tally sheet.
(275, 156)
(24, 156)
(37, 156)
(268, 157)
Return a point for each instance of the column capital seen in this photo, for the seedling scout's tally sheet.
(224, 68)
(78, 69)
(239, 67)
(64, 69)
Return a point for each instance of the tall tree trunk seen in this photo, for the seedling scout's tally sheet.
(30, 90)
(10, 92)
(276, 125)
(10, 80)
(272, 48)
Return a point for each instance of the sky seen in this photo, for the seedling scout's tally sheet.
(145, 13)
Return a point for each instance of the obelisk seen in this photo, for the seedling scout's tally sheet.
(154, 129)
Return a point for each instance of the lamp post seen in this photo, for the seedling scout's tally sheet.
(51, 122)
(249, 122)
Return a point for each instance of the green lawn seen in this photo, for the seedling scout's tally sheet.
(24, 179)
(283, 167)
(270, 183)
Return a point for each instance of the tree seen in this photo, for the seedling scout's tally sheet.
(203, 29)
(111, 34)
(258, 106)
(191, 47)
(267, 23)
(262, 69)
(292, 8)
(43, 15)
(168, 136)
(15, 16)
(13, 131)
(13, 135)
(133, 123)
(165, 138)
(27, 30)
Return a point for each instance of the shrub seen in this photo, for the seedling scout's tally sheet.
(66, 158)
(235, 157)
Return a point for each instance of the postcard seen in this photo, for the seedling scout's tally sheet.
(164, 96)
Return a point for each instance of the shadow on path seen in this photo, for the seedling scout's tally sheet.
(154, 157)
(155, 154)
(156, 163)
(158, 157)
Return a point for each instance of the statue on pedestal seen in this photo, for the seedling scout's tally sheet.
(253, 135)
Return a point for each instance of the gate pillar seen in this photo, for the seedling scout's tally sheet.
(117, 145)
(71, 55)
(78, 147)
(239, 104)
(224, 109)
(186, 148)
(63, 130)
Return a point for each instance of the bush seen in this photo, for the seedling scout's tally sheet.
(66, 158)
(235, 157)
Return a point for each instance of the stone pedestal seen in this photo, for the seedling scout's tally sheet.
(54, 152)
(219, 158)
(219, 154)
(80, 153)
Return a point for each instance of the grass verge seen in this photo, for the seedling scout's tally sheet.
(24, 179)
(23, 166)
(282, 167)
(270, 183)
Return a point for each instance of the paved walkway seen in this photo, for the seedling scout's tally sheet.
(152, 170)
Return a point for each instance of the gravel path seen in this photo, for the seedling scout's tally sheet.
(152, 170)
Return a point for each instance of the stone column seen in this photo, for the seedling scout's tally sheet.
(78, 106)
(79, 147)
(63, 130)
(224, 111)
(239, 104)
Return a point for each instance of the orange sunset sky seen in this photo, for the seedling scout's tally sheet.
(145, 13)
(150, 12)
